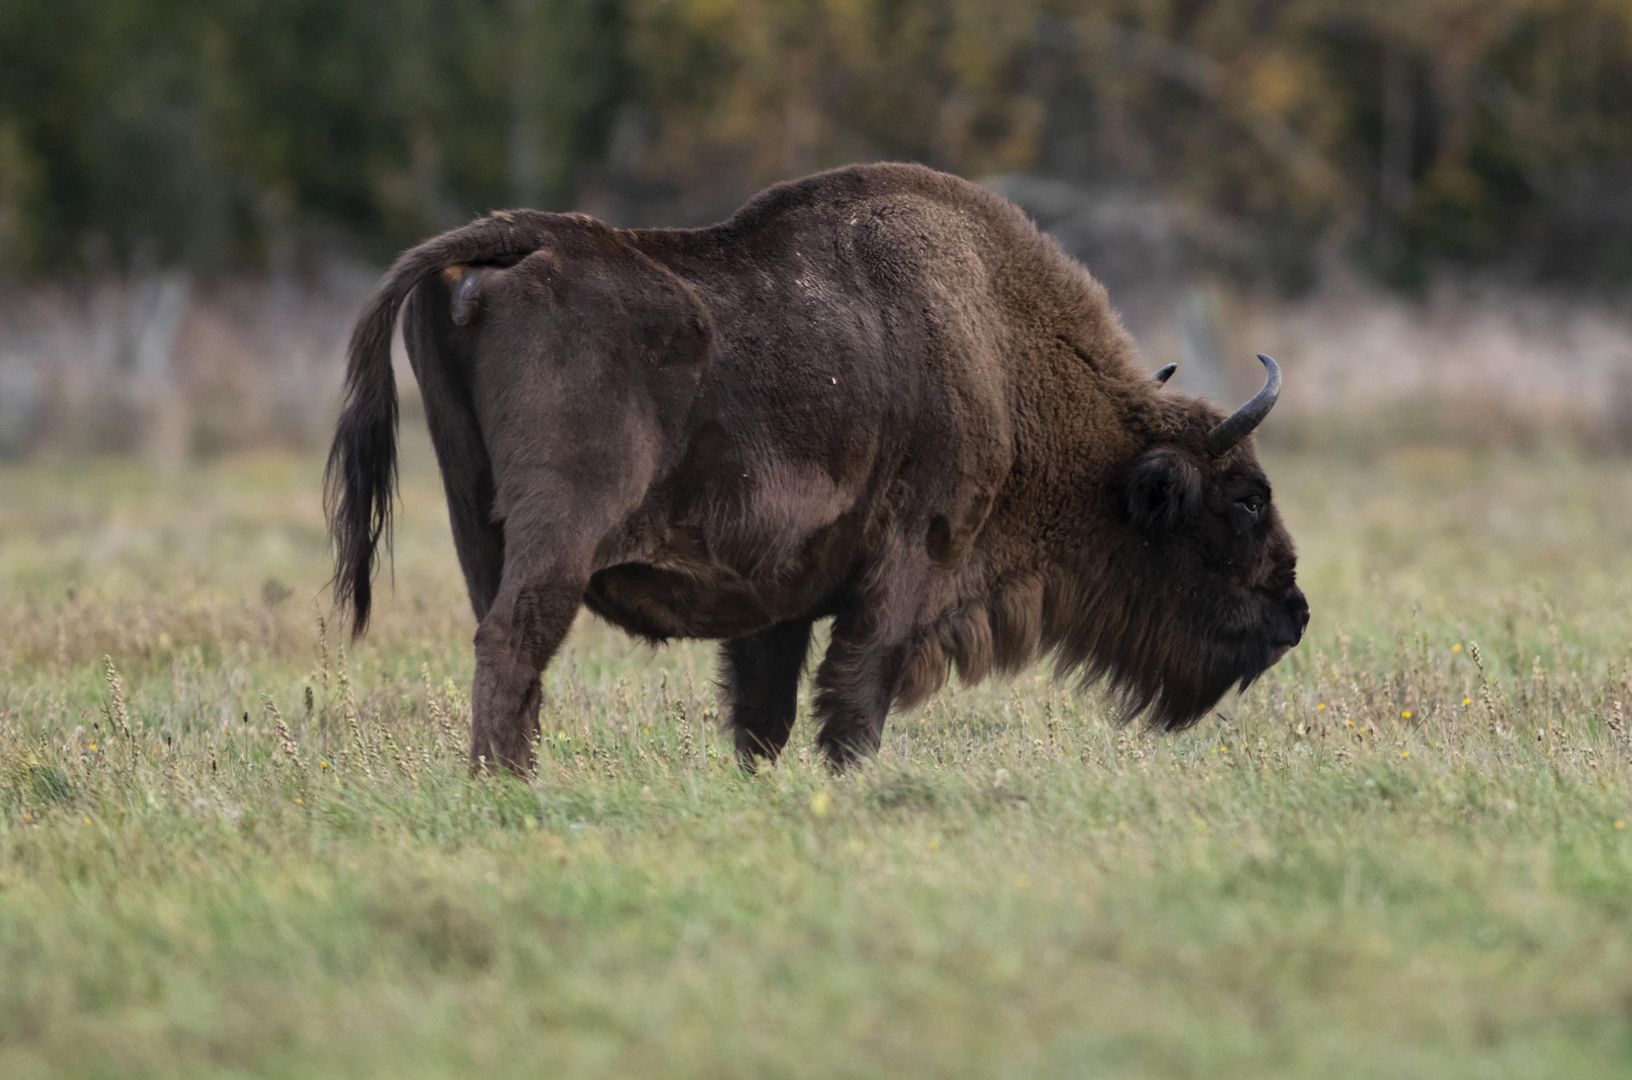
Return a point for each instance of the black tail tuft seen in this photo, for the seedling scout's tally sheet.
(361, 476)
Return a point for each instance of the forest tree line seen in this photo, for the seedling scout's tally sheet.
(240, 134)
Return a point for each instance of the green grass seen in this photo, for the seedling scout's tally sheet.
(1389, 860)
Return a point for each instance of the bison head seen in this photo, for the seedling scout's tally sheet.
(1212, 566)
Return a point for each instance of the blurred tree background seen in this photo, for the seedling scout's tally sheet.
(1402, 137)
(1414, 200)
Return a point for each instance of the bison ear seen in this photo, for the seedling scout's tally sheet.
(1162, 491)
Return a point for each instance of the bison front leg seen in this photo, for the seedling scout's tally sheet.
(853, 688)
(761, 681)
(514, 642)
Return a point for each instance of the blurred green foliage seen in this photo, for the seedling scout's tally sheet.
(243, 132)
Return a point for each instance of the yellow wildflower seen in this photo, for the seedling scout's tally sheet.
(1405, 753)
(322, 764)
(1467, 701)
(1320, 707)
(1457, 647)
(820, 804)
(1405, 714)
(1619, 823)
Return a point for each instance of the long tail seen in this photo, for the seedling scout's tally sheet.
(361, 476)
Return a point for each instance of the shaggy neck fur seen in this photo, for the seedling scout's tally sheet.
(1102, 614)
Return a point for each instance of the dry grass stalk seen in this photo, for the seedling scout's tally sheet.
(286, 738)
(118, 711)
(348, 710)
(1486, 698)
(323, 656)
(1615, 718)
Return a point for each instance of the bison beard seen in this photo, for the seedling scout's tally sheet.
(877, 396)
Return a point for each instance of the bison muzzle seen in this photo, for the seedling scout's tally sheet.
(877, 395)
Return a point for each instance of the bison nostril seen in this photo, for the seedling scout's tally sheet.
(1287, 626)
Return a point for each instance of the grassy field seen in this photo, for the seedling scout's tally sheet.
(233, 849)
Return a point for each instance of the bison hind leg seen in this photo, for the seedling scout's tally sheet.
(514, 642)
(760, 678)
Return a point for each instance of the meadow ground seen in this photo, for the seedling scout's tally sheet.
(239, 851)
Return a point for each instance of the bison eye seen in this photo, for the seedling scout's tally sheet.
(1252, 504)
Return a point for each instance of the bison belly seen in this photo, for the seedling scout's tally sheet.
(658, 604)
(685, 589)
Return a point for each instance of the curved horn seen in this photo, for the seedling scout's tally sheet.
(1241, 423)
(1166, 372)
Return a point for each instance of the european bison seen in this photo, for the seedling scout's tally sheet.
(877, 395)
